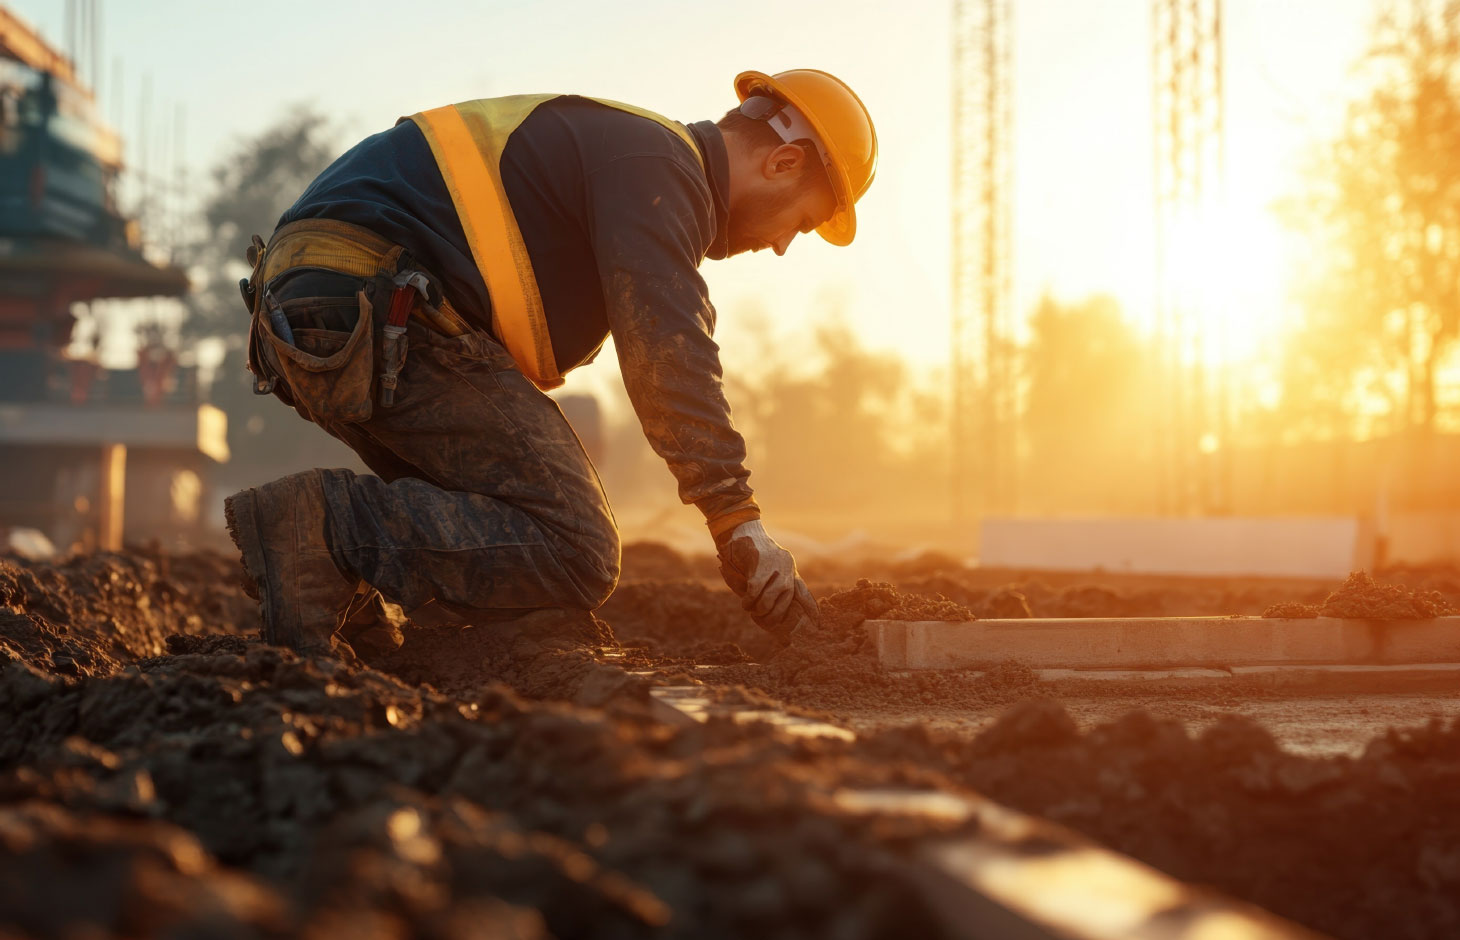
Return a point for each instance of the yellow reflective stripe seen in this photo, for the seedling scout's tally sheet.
(467, 140)
(496, 243)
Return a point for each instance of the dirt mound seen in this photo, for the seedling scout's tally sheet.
(685, 620)
(930, 561)
(919, 607)
(1356, 848)
(505, 781)
(835, 667)
(91, 614)
(228, 794)
(653, 561)
(548, 654)
(1093, 600)
(688, 621)
(1289, 610)
(1037, 598)
(1360, 597)
(65, 871)
(1007, 604)
(1052, 594)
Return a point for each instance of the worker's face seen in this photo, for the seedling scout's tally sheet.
(788, 196)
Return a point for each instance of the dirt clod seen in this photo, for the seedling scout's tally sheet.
(1289, 610)
(1360, 597)
(1363, 597)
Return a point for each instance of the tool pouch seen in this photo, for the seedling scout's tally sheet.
(329, 373)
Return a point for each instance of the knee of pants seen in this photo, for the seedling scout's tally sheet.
(596, 567)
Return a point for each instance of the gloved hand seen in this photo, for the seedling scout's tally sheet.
(763, 575)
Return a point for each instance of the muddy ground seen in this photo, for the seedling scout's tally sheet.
(161, 772)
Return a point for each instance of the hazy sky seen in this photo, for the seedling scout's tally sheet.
(1082, 118)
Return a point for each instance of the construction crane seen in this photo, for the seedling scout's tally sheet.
(1189, 436)
(1189, 111)
(985, 389)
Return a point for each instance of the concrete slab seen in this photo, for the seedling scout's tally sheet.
(1448, 669)
(1164, 642)
(203, 428)
(1023, 877)
(1132, 675)
(1423, 538)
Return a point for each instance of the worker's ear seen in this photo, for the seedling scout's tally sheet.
(784, 161)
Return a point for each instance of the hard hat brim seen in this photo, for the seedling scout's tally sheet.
(841, 228)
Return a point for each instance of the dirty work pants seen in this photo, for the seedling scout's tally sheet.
(484, 500)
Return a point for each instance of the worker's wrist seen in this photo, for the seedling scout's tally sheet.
(722, 526)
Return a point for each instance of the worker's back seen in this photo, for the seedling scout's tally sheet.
(580, 177)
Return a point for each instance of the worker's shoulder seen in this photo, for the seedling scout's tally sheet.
(606, 132)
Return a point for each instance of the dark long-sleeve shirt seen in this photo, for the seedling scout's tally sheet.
(617, 213)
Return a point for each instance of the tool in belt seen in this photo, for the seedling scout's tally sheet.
(408, 284)
(351, 250)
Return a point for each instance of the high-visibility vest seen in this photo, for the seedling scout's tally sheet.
(467, 140)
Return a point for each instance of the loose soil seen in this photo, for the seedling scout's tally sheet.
(835, 665)
(92, 614)
(162, 772)
(1366, 847)
(1361, 597)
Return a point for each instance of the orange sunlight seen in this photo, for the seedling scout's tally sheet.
(1228, 265)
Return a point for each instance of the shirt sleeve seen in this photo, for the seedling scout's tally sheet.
(651, 223)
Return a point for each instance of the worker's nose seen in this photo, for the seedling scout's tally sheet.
(781, 244)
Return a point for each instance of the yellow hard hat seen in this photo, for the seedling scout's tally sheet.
(847, 137)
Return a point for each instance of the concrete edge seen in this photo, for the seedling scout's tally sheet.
(1154, 643)
(1019, 876)
(1293, 671)
(1024, 877)
(688, 704)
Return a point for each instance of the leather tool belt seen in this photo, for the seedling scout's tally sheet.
(330, 374)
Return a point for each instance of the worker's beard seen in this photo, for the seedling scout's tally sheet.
(748, 222)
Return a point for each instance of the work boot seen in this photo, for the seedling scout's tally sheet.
(279, 529)
(372, 624)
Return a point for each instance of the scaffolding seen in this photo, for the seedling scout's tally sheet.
(985, 381)
(1189, 166)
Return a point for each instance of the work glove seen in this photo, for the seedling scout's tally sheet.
(763, 575)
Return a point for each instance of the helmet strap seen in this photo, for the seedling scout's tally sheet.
(786, 120)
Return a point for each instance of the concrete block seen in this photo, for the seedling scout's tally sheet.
(1163, 642)
(1297, 547)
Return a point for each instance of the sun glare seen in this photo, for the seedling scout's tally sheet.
(1226, 275)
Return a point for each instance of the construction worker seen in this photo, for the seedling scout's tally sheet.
(427, 287)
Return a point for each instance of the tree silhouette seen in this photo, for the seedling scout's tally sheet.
(252, 187)
(1382, 214)
(1089, 410)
